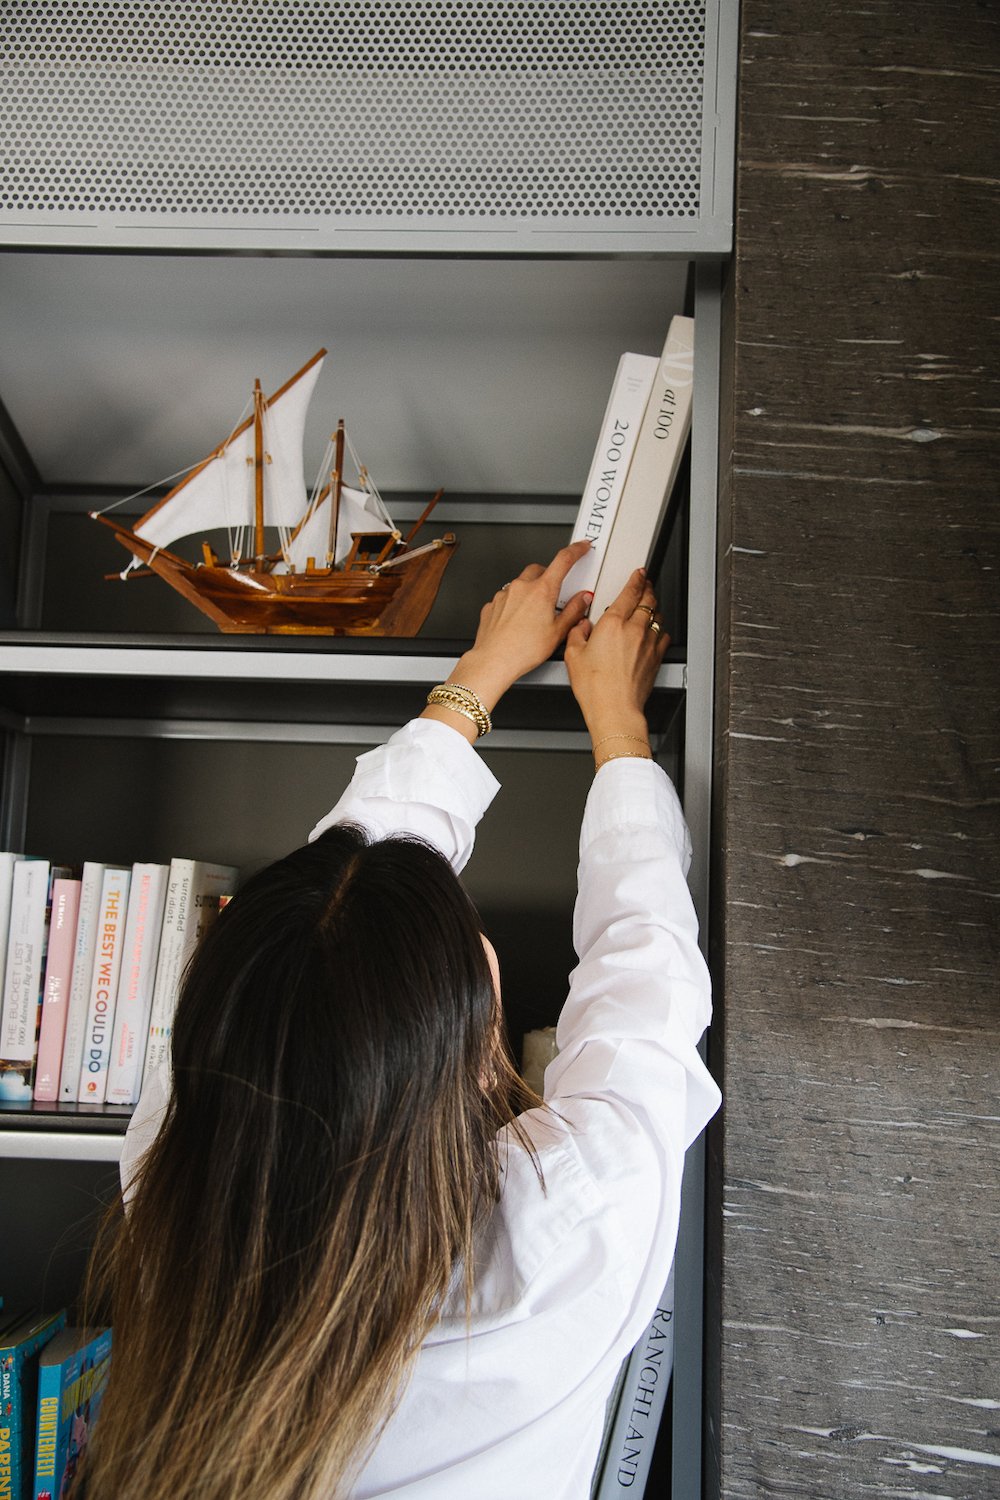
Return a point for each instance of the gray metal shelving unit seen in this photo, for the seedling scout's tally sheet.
(468, 148)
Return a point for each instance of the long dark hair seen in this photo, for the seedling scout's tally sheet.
(330, 1147)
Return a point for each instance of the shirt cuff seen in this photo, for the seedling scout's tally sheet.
(429, 762)
(425, 780)
(634, 794)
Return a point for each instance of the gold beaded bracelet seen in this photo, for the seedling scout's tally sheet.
(462, 700)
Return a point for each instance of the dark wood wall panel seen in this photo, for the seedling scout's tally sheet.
(855, 1286)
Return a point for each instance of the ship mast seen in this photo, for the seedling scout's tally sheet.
(258, 470)
(338, 481)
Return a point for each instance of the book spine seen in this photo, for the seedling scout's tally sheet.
(6, 1457)
(51, 1432)
(649, 486)
(12, 1418)
(601, 494)
(55, 992)
(202, 890)
(641, 1404)
(176, 915)
(83, 969)
(7, 863)
(103, 988)
(140, 947)
(23, 978)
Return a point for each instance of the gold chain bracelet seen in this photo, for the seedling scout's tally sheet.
(622, 755)
(636, 739)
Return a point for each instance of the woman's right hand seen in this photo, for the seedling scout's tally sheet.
(612, 663)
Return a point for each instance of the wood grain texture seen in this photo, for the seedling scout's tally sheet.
(854, 1293)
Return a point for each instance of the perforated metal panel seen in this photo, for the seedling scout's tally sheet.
(369, 118)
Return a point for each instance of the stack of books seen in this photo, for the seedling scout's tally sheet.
(93, 963)
(630, 498)
(52, 1379)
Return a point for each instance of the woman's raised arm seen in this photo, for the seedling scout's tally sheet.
(425, 779)
(519, 628)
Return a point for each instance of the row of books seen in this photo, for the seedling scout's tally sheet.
(52, 1379)
(93, 963)
(630, 497)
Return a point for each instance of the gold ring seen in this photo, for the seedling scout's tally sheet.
(648, 608)
(654, 626)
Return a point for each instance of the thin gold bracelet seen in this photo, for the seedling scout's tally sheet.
(636, 739)
(462, 700)
(621, 755)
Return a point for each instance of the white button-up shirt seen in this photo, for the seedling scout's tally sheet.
(509, 1404)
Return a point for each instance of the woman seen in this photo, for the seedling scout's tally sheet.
(356, 1260)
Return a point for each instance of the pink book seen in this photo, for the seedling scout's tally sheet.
(55, 992)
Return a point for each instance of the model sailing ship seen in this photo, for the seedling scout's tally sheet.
(341, 568)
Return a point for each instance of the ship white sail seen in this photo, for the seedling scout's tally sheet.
(221, 492)
(357, 513)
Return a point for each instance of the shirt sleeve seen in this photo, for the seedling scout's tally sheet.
(628, 1091)
(425, 780)
(640, 995)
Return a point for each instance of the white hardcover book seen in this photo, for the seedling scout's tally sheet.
(83, 969)
(23, 977)
(140, 946)
(195, 889)
(7, 863)
(649, 486)
(103, 987)
(623, 415)
(643, 1396)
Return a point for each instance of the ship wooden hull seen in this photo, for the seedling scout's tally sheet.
(320, 601)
